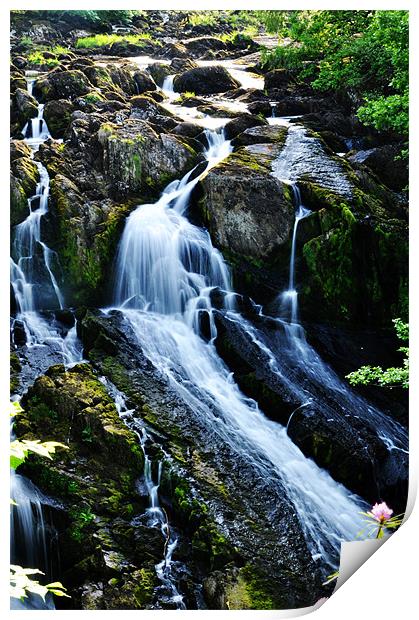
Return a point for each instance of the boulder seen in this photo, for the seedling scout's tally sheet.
(205, 81)
(26, 105)
(62, 85)
(173, 50)
(136, 157)
(23, 181)
(386, 163)
(180, 65)
(159, 72)
(203, 47)
(258, 133)
(278, 78)
(143, 82)
(247, 210)
(240, 124)
(57, 114)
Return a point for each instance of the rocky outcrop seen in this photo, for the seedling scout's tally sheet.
(135, 156)
(94, 483)
(57, 114)
(247, 210)
(59, 84)
(25, 106)
(23, 180)
(387, 162)
(205, 81)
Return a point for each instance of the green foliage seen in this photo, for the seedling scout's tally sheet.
(37, 58)
(100, 40)
(203, 18)
(21, 584)
(391, 377)
(363, 51)
(82, 517)
(26, 41)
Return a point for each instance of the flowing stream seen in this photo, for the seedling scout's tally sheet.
(165, 270)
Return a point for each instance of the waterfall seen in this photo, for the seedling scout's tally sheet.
(35, 289)
(165, 271)
(289, 298)
(33, 263)
(156, 515)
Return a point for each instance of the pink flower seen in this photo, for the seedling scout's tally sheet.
(381, 512)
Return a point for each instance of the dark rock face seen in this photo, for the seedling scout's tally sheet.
(278, 78)
(240, 124)
(94, 481)
(159, 71)
(61, 85)
(386, 163)
(26, 106)
(23, 180)
(205, 81)
(134, 153)
(261, 133)
(200, 47)
(247, 210)
(57, 114)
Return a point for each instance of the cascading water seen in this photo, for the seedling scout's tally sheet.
(35, 289)
(165, 269)
(32, 276)
(289, 298)
(156, 515)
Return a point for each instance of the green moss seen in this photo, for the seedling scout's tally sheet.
(15, 369)
(146, 582)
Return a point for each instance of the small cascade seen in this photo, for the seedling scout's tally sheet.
(168, 88)
(289, 298)
(156, 515)
(33, 263)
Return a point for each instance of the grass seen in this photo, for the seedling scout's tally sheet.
(100, 40)
(204, 18)
(247, 33)
(37, 58)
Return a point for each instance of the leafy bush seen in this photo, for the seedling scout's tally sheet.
(391, 377)
(362, 51)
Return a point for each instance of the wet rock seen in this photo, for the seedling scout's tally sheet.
(143, 82)
(209, 476)
(261, 133)
(94, 480)
(26, 105)
(173, 50)
(147, 109)
(57, 115)
(179, 65)
(23, 181)
(136, 157)
(189, 130)
(260, 107)
(386, 163)
(205, 81)
(341, 434)
(159, 72)
(247, 210)
(236, 126)
(86, 237)
(278, 78)
(61, 85)
(203, 47)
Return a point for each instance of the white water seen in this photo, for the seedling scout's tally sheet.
(165, 270)
(32, 275)
(289, 298)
